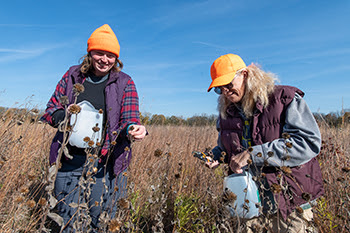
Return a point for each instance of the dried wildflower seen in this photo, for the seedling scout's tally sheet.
(116, 189)
(69, 128)
(114, 225)
(222, 158)
(125, 174)
(286, 158)
(245, 190)
(96, 203)
(259, 154)
(86, 139)
(266, 163)
(123, 203)
(64, 100)
(286, 169)
(24, 190)
(98, 144)
(31, 203)
(91, 143)
(74, 109)
(223, 153)
(263, 174)
(113, 143)
(126, 148)
(169, 154)
(346, 169)
(246, 207)
(42, 201)
(31, 177)
(149, 172)
(229, 196)
(289, 144)
(100, 111)
(78, 89)
(91, 160)
(276, 188)
(94, 169)
(88, 173)
(19, 199)
(177, 176)
(246, 201)
(96, 128)
(114, 133)
(285, 135)
(270, 153)
(250, 149)
(279, 176)
(306, 196)
(158, 152)
(299, 210)
(249, 161)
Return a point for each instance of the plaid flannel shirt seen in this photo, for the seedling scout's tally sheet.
(129, 110)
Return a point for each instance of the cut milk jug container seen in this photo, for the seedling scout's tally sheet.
(83, 122)
(238, 183)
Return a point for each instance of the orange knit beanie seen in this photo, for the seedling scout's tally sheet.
(103, 38)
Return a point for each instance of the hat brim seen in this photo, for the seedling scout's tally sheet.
(222, 80)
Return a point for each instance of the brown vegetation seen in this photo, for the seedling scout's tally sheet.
(169, 189)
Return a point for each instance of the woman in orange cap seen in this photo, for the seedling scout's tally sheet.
(95, 107)
(268, 131)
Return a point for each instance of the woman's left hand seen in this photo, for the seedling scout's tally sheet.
(137, 132)
(238, 161)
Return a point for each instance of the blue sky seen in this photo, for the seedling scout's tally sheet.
(167, 47)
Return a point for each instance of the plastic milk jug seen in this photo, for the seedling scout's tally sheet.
(83, 122)
(238, 183)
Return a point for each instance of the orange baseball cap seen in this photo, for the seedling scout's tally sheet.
(103, 38)
(224, 69)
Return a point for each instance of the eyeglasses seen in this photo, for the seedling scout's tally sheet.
(218, 90)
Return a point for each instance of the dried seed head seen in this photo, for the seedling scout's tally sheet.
(286, 158)
(96, 128)
(31, 203)
(114, 225)
(94, 169)
(169, 154)
(177, 176)
(86, 139)
(250, 149)
(346, 169)
(114, 133)
(259, 154)
(42, 201)
(341, 179)
(285, 135)
(100, 111)
(306, 196)
(289, 144)
(98, 144)
(123, 203)
(19, 199)
(229, 196)
(158, 152)
(31, 177)
(78, 89)
(276, 188)
(263, 174)
(116, 189)
(96, 203)
(246, 201)
(113, 143)
(74, 109)
(126, 148)
(286, 169)
(125, 174)
(249, 161)
(299, 210)
(270, 153)
(24, 190)
(266, 163)
(91, 143)
(64, 100)
(223, 153)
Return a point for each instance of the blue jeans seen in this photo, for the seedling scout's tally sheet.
(67, 191)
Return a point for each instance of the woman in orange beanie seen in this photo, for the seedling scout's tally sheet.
(95, 107)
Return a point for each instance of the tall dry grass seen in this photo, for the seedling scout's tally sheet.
(169, 190)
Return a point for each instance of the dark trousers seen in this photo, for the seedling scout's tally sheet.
(71, 190)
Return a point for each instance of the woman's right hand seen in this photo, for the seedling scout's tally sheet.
(213, 164)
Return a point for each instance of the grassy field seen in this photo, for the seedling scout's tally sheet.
(169, 190)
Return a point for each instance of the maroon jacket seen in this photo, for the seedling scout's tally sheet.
(305, 181)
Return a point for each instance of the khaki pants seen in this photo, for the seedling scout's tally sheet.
(296, 222)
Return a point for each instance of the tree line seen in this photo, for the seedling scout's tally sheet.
(22, 114)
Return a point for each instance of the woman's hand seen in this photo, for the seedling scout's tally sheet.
(238, 161)
(137, 132)
(213, 164)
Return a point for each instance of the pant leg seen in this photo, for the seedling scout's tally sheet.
(111, 191)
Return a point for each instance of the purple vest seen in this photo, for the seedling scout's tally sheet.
(114, 91)
(267, 125)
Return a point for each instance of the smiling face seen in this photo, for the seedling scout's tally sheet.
(234, 92)
(102, 61)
